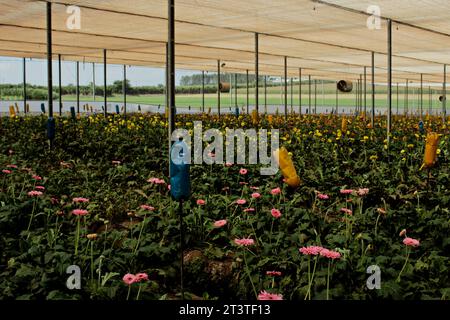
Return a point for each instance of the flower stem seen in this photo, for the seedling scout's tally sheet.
(31, 218)
(376, 225)
(129, 290)
(249, 276)
(78, 235)
(139, 292)
(308, 294)
(328, 280)
(92, 261)
(139, 238)
(406, 261)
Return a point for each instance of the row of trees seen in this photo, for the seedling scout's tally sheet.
(35, 92)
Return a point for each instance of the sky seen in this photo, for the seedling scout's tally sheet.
(11, 72)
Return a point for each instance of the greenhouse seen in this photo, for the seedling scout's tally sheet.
(211, 150)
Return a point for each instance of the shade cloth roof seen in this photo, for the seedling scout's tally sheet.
(327, 39)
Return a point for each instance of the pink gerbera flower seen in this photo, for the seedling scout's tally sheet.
(129, 279)
(220, 223)
(275, 191)
(80, 200)
(330, 254)
(311, 250)
(249, 210)
(201, 202)
(244, 242)
(410, 242)
(275, 213)
(264, 295)
(141, 277)
(346, 191)
(6, 171)
(243, 171)
(40, 188)
(35, 193)
(80, 212)
(38, 178)
(322, 196)
(12, 166)
(241, 201)
(256, 195)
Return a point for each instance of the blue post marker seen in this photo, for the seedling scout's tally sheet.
(51, 130)
(42, 108)
(139, 108)
(236, 112)
(421, 127)
(72, 113)
(117, 109)
(180, 188)
(189, 108)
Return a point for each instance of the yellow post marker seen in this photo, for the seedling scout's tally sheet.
(344, 125)
(255, 117)
(270, 119)
(17, 108)
(209, 110)
(430, 157)
(287, 167)
(12, 112)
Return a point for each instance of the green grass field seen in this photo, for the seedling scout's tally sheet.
(345, 100)
(275, 96)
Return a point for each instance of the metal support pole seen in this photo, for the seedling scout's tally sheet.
(309, 93)
(337, 100)
(430, 101)
(49, 60)
(218, 85)
(315, 96)
(124, 89)
(360, 93)
(444, 94)
(203, 91)
(421, 95)
(300, 90)
(231, 89)
(59, 85)
(389, 115)
(397, 98)
(406, 96)
(24, 85)
(93, 81)
(171, 69)
(248, 99)
(78, 86)
(285, 88)
(292, 95)
(257, 72)
(105, 96)
(265, 94)
(365, 92)
(372, 121)
(166, 91)
(235, 90)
